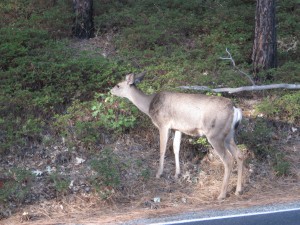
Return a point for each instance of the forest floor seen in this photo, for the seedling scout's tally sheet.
(141, 195)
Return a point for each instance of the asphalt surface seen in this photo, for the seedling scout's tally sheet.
(291, 217)
(277, 214)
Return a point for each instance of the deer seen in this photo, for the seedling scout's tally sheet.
(192, 114)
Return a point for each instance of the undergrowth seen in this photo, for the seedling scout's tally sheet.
(284, 108)
(258, 136)
(48, 87)
(16, 185)
(107, 178)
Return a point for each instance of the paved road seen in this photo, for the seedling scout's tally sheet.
(277, 214)
(287, 217)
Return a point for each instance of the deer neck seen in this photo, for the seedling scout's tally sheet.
(140, 99)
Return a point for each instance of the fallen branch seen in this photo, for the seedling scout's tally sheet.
(235, 67)
(244, 88)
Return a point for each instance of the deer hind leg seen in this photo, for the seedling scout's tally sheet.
(163, 138)
(176, 148)
(227, 159)
(235, 151)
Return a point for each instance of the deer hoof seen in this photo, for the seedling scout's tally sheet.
(158, 175)
(176, 176)
(238, 193)
(221, 197)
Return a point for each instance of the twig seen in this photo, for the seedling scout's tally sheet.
(44, 212)
(235, 67)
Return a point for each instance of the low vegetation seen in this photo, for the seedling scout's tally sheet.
(52, 90)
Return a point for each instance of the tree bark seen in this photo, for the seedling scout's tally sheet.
(264, 54)
(83, 26)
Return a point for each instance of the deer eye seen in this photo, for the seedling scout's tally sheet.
(118, 86)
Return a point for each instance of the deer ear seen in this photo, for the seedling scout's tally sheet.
(130, 78)
(139, 77)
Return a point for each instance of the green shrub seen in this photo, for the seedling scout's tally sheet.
(84, 122)
(53, 16)
(281, 165)
(77, 126)
(258, 138)
(61, 183)
(40, 77)
(17, 184)
(114, 113)
(108, 173)
(288, 72)
(286, 107)
(18, 131)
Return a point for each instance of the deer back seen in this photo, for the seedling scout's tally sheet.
(193, 114)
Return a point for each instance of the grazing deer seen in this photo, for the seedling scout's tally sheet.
(192, 114)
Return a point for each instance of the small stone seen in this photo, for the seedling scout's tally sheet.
(156, 199)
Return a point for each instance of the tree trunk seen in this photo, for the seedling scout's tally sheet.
(264, 53)
(83, 26)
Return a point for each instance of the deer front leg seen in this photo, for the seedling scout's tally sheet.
(163, 138)
(176, 148)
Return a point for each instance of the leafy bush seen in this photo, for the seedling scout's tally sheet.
(85, 122)
(114, 113)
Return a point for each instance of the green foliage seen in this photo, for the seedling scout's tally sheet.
(17, 184)
(288, 18)
(286, 107)
(113, 113)
(50, 15)
(77, 125)
(202, 141)
(258, 138)
(145, 172)
(18, 131)
(181, 39)
(46, 84)
(281, 165)
(108, 173)
(61, 183)
(288, 73)
(84, 122)
(39, 77)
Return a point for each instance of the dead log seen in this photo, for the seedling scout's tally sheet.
(244, 88)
